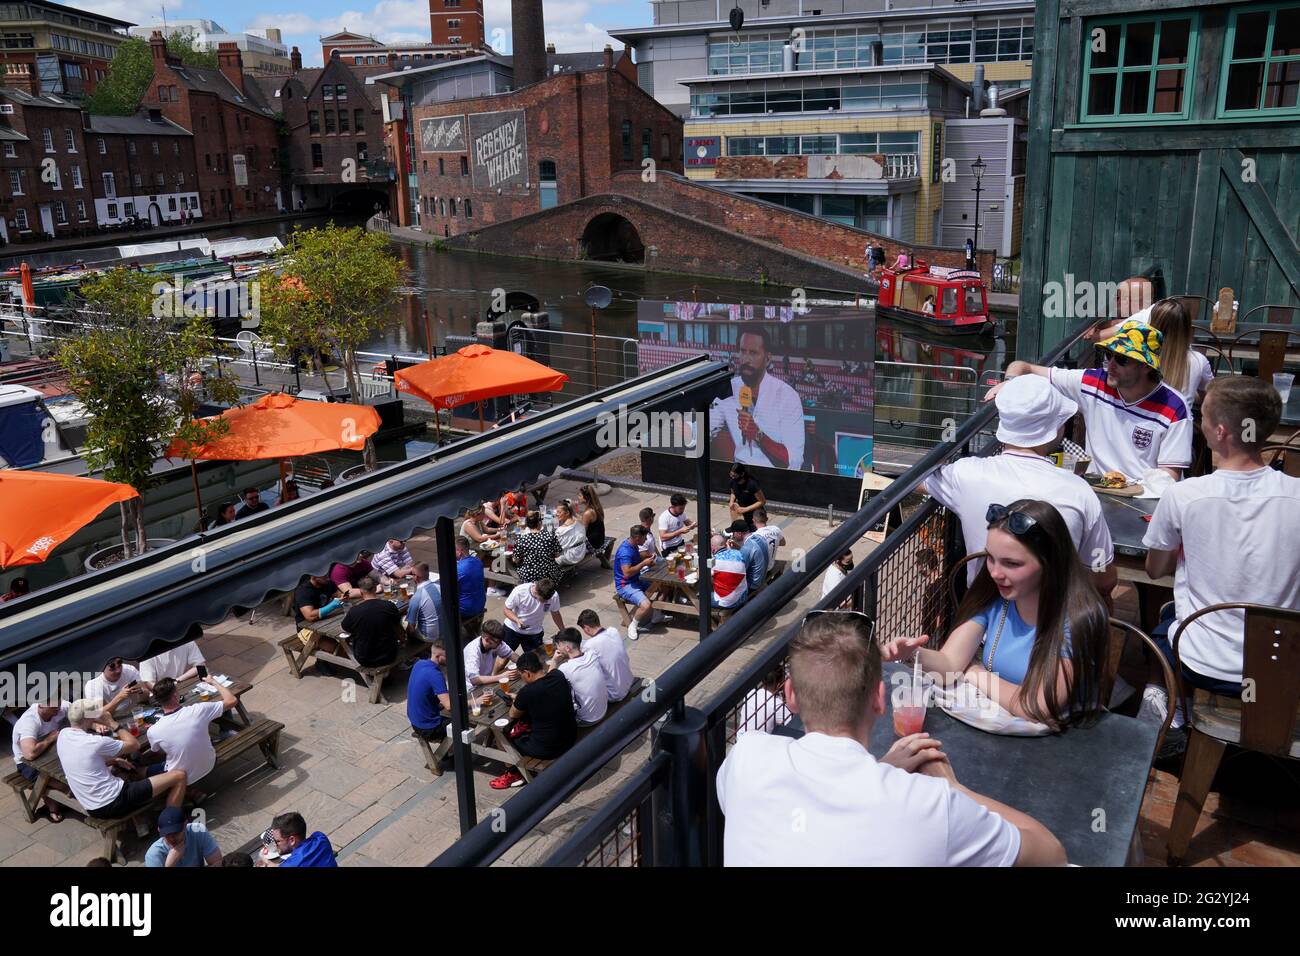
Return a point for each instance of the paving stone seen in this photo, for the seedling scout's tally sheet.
(34, 854)
(12, 840)
(358, 825)
(376, 785)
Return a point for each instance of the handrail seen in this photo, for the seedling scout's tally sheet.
(486, 842)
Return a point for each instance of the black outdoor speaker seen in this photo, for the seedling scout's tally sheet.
(737, 18)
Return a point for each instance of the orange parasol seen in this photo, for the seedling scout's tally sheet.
(29, 295)
(40, 510)
(476, 373)
(281, 426)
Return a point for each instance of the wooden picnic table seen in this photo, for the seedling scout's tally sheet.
(331, 628)
(489, 740)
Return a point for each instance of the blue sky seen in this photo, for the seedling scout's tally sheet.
(573, 25)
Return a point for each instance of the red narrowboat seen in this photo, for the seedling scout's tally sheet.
(951, 301)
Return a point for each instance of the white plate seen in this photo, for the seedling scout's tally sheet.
(693, 577)
(501, 721)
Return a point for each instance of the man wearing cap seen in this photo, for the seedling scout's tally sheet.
(1031, 422)
(1135, 422)
(117, 682)
(753, 551)
(181, 844)
(87, 748)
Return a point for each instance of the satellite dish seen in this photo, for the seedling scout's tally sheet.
(737, 18)
(249, 343)
(598, 297)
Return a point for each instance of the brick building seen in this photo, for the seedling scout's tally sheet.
(457, 23)
(234, 130)
(44, 171)
(358, 49)
(335, 132)
(142, 167)
(49, 48)
(483, 152)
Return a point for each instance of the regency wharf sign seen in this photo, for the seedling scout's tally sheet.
(498, 150)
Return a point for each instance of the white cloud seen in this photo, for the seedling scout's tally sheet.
(128, 10)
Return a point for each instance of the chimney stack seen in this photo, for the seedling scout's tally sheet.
(528, 30)
(231, 64)
(158, 47)
(295, 61)
(550, 48)
(609, 57)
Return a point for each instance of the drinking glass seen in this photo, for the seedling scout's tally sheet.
(909, 709)
(1282, 381)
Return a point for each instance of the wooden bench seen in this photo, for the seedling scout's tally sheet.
(373, 677)
(719, 614)
(535, 765)
(432, 755)
(263, 734)
(23, 787)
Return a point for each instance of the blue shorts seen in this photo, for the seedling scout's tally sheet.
(631, 593)
(28, 771)
(1160, 634)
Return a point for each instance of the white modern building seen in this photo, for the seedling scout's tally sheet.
(262, 55)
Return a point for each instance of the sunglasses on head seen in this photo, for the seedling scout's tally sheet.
(1017, 521)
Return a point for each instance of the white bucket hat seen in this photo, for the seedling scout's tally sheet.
(1031, 412)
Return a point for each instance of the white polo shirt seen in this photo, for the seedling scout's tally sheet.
(1153, 432)
(590, 695)
(825, 801)
(772, 537)
(171, 663)
(969, 485)
(832, 578)
(84, 758)
(31, 727)
(1239, 532)
(668, 523)
(479, 663)
(101, 689)
(777, 412)
(183, 737)
(610, 651)
(530, 611)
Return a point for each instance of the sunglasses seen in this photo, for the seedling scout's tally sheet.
(1018, 522)
(1119, 360)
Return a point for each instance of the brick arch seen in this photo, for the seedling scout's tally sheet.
(611, 235)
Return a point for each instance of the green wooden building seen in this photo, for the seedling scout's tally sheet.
(1164, 134)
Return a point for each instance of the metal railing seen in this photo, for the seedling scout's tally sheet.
(1006, 276)
(590, 362)
(920, 406)
(679, 803)
(902, 165)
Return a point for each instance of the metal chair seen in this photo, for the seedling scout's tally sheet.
(1264, 721)
(1287, 454)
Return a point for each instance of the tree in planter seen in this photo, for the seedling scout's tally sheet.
(332, 296)
(136, 379)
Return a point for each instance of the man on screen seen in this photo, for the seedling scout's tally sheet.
(763, 417)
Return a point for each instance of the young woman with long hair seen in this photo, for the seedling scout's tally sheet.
(1032, 632)
(592, 516)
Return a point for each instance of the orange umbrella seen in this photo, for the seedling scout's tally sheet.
(476, 373)
(29, 295)
(281, 426)
(40, 510)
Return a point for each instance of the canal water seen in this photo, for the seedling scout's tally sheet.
(456, 289)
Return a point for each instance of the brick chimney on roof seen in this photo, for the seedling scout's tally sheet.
(295, 61)
(158, 46)
(609, 57)
(528, 30)
(231, 63)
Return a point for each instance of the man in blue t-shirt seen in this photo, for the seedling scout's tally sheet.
(754, 550)
(289, 831)
(628, 565)
(182, 845)
(472, 586)
(427, 696)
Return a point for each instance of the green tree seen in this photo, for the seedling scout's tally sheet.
(332, 295)
(140, 383)
(131, 71)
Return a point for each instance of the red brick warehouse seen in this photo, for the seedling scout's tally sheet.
(484, 152)
(235, 131)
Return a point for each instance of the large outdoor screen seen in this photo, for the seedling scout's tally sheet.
(802, 388)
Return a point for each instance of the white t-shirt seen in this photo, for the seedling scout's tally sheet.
(31, 727)
(590, 695)
(1153, 432)
(831, 579)
(530, 611)
(969, 485)
(183, 737)
(479, 663)
(772, 537)
(760, 712)
(777, 412)
(101, 689)
(668, 523)
(610, 651)
(825, 801)
(171, 663)
(1239, 532)
(1199, 376)
(84, 758)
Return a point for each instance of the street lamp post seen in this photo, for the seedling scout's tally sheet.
(978, 168)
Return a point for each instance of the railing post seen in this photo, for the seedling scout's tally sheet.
(450, 629)
(704, 550)
(680, 835)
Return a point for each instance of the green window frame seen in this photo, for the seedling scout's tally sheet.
(1271, 67)
(1114, 79)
